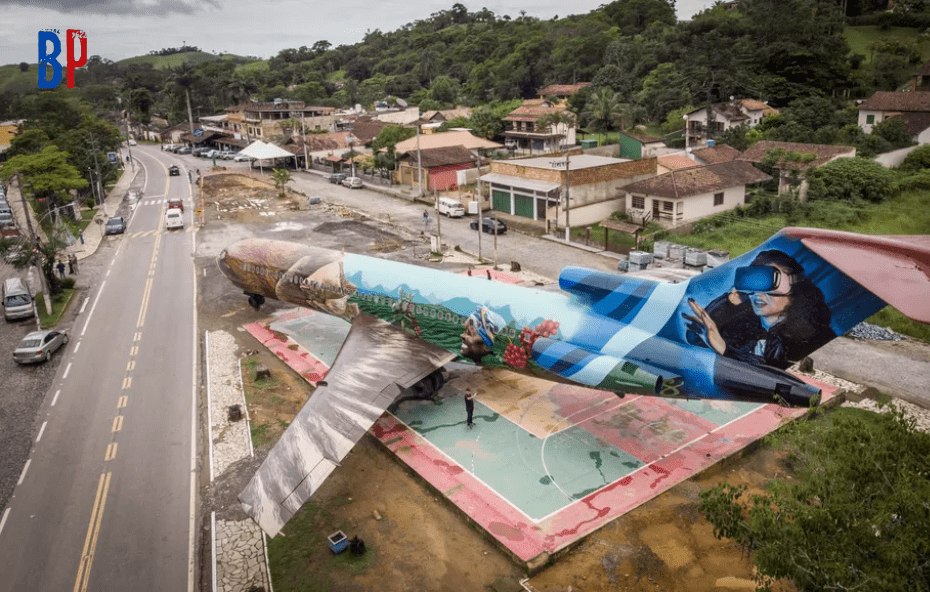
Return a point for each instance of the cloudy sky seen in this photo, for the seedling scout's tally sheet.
(118, 29)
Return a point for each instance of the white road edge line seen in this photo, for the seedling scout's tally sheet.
(55, 398)
(3, 520)
(23, 474)
(213, 546)
(206, 345)
(67, 369)
(41, 430)
(84, 305)
(92, 308)
(191, 556)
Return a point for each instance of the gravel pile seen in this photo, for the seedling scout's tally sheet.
(920, 415)
(866, 331)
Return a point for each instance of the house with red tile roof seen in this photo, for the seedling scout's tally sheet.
(674, 162)
(524, 134)
(439, 167)
(913, 108)
(562, 91)
(715, 154)
(817, 155)
(686, 195)
(706, 124)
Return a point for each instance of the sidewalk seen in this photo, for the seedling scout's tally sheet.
(94, 232)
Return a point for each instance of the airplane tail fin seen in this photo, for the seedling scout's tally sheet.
(803, 287)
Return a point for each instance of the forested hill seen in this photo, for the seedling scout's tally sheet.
(771, 50)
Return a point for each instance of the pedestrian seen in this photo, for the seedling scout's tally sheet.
(70, 265)
(425, 219)
(469, 407)
(72, 262)
(81, 236)
(61, 269)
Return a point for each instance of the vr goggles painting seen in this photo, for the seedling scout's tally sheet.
(763, 279)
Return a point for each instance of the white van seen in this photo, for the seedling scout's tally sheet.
(451, 207)
(174, 218)
(17, 301)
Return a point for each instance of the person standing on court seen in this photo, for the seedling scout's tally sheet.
(469, 408)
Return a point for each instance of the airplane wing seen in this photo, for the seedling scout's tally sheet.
(375, 361)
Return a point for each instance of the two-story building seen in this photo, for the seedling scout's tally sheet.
(788, 165)
(706, 124)
(536, 187)
(264, 121)
(524, 134)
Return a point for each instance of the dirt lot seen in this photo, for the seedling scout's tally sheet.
(415, 540)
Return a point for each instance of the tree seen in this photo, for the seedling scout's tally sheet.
(390, 135)
(603, 111)
(485, 122)
(917, 159)
(183, 79)
(663, 90)
(632, 17)
(851, 179)
(853, 516)
(241, 88)
(553, 121)
(895, 131)
(281, 178)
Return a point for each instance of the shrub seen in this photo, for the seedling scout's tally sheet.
(851, 179)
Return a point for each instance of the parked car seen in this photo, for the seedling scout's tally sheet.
(177, 203)
(488, 225)
(230, 154)
(174, 218)
(352, 182)
(115, 225)
(174, 171)
(239, 157)
(337, 178)
(184, 150)
(6, 218)
(132, 142)
(39, 346)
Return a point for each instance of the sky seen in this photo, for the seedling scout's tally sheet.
(119, 29)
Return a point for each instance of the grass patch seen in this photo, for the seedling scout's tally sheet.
(859, 39)
(301, 561)
(260, 436)
(59, 304)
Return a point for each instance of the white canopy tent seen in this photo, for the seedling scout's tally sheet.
(261, 150)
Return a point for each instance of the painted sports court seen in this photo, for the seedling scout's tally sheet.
(546, 463)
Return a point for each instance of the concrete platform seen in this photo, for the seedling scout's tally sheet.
(546, 464)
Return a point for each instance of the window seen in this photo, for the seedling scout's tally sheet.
(718, 199)
(639, 202)
(869, 119)
(668, 206)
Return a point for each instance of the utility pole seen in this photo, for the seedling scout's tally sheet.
(303, 128)
(35, 243)
(568, 225)
(480, 208)
(419, 166)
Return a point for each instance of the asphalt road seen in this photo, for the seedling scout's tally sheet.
(106, 499)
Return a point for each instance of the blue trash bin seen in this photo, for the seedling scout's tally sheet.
(338, 542)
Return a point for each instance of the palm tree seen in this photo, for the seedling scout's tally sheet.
(603, 111)
(183, 78)
(240, 88)
(554, 120)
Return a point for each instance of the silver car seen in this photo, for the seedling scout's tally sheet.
(39, 346)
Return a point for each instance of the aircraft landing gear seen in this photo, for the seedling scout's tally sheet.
(429, 385)
(256, 300)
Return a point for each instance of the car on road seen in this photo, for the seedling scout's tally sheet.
(229, 154)
(174, 218)
(39, 346)
(115, 225)
(176, 202)
(489, 224)
(184, 150)
(352, 182)
(337, 178)
(174, 171)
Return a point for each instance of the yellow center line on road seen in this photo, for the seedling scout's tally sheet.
(117, 423)
(122, 402)
(111, 451)
(93, 530)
